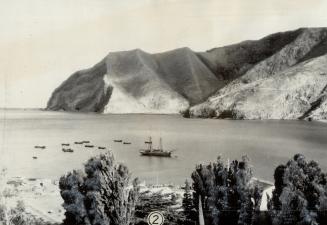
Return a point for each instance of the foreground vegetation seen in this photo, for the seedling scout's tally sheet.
(300, 195)
(105, 194)
(228, 193)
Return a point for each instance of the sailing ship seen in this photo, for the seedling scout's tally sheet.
(150, 151)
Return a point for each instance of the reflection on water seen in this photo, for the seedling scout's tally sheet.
(267, 143)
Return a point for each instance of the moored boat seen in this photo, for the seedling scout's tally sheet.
(118, 140)
(99, 147)
(67, 150)
(88, 146)
(157, 152)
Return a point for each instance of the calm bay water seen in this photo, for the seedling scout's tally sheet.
(267, 143)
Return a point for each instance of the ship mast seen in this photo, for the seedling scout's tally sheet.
(150, 143)
(160, 144)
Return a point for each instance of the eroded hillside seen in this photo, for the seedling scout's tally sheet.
(280, 76)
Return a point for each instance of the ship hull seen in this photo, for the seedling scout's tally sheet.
(156, 154)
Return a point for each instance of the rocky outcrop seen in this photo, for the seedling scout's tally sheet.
(84, 91)
(290, 84)
(286, 95)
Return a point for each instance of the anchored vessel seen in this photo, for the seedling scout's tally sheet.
(89, 146)
(150, 151)
(67, 150)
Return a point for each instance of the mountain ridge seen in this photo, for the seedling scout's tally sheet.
(184, 80)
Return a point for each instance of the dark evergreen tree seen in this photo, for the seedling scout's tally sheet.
(188, 205)
(99, 196)
(228, 193)
(300, 193)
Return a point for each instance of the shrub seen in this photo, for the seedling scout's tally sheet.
(19, 216)
(186, 113)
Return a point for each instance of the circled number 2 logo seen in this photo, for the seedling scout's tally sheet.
(155, 218)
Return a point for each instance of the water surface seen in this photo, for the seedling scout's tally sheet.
(267, 143)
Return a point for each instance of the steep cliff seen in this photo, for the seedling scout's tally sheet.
(84, 91)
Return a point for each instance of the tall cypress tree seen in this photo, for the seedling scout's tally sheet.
(227, 192)
(188, 206)
(99, 196)
(300, 195)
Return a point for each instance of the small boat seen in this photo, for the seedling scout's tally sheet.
(67, 150)
(127, 143)
(86, 142)
(118, 140)
(101, 147)
(40, 146)
(34, 157)
(158, 152)
(64, 144)
(88, 146)
(78, 142)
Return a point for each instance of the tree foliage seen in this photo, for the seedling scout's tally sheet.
(189, 209)
(300, 195)
(100, 195)
(228, 194)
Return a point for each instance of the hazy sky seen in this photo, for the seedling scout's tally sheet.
(42, 42)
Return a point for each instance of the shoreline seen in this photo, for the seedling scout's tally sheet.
(151, 114)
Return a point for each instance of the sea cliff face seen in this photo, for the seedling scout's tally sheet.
(281, 76)
(84, 91)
